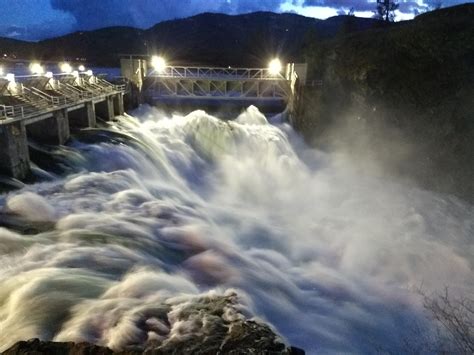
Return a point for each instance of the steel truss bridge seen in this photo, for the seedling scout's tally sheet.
(225, 84)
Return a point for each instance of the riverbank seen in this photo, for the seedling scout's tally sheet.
(399, 99)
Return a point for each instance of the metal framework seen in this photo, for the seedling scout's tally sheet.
(217, 83)
(33, 95)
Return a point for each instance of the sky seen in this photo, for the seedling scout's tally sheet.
(39, 19)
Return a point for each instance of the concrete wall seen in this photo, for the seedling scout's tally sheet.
(14, 155)
(53, 130)
(83, 117)
(118, 105)
(134, 70)
(105, 109)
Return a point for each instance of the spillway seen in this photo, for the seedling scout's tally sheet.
(141, 220)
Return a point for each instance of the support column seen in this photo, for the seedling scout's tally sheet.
(105, 109)
(14, 155)
(118, 105)
(83, 117)
(53, 130)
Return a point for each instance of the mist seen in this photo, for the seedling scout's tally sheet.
(328, 253)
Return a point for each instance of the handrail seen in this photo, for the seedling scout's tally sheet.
(218, 72)
(35, 94)
(33, 101)
(55, 100)
(84, 93)
(11, 111)
(68, 93)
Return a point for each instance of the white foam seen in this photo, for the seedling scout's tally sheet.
(326, 254)
(31, 206)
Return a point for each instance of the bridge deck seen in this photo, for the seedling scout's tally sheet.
(226, 84)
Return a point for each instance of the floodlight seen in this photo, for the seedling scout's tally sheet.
(275, 66)
(158, 63)
(36, 68)
(82, 68)
(10, 77)
(65, 68)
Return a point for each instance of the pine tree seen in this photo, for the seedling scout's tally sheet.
(386, 10)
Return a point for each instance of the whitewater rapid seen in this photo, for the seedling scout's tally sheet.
(186, 206)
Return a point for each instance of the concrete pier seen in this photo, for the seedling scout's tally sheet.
(118, 105)
(14, 155)
(45, 107)
(53, 130)
(105, 109)
(83, 117)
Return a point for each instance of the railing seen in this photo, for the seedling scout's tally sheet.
(11, 112)
(29, 101)
(33, 97)
(82, 93)
(218, 73)
(54, 100)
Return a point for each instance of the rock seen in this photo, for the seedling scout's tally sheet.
(209, 324)
(234, 347)
(37, 347)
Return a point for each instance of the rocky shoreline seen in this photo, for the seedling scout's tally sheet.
(206, 325)
(38, 347)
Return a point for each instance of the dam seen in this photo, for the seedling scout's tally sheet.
(46, 106)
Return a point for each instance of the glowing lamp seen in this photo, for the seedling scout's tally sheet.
(89, 72)
(65, 68)
(82, 68)
(275, 67)
(36, 68)
(158, 63)
(75, 73)
(10, 77)
(49, 74)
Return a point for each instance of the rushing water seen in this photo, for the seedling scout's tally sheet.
(165, 209)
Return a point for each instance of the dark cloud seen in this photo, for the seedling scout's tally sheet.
(37, 19)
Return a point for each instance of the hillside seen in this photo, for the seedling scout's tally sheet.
(402, 97)
(213, 39)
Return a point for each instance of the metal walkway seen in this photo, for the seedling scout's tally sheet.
(206, 83)
(32, 96)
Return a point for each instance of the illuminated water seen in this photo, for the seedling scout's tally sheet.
(191, 205)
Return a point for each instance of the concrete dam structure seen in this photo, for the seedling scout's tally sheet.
(46, 107)
(273, 89)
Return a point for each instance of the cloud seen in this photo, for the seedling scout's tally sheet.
(357, 5)
(406, 7)
(33, 19)
(38, 19)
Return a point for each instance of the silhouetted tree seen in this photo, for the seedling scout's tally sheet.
(456, 318)
(342, 12)
(386, 10)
